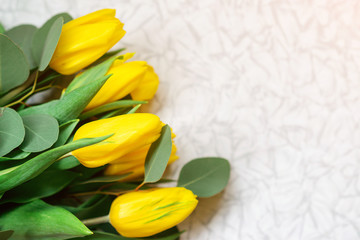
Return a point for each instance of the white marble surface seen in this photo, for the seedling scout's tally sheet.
(274, 86)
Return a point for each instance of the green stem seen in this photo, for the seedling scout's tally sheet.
(28, 94)
(95, 221)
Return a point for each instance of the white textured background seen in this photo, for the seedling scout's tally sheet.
(274, 86)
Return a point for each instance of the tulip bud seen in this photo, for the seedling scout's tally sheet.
(85, 39)
(145, 213)
(136, 78)
(147, 87)
(125, 78)
(131, 132)
(134, 162)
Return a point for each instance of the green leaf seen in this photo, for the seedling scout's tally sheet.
(4, 235)
(22, 35)
(2, 29)
(96, 206)
(109, 107)
(71, 105)
(12, 131)
(107, 56)
(89, 75)
(106, 179)
(38, 220)
(65, 132)
(45, 40)
(14, 68)
(41, 132)
(205, 177)
(66, 16)
(98, 209)
(115, 113)
(158, 156)
(66, 163)
(44, 185)
(134, 109)
(104, 236)
(170, 234)
(33, 167)
(16, 154)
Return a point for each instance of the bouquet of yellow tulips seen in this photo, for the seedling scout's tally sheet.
(86, 164)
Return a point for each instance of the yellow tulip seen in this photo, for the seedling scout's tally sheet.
(125, 78)
(145, 213)
(147, 87)
(136, 78)
(131, 132)
(85, 39)
(134, 162)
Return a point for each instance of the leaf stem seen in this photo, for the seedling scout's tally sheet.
(28, 94)
(95, 221)
(138, 187)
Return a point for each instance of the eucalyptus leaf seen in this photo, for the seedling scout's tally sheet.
(12, 131)
(14, 68)
(2, 29)
(41, 132)
(16, 154)
(44, 185)
(22, 35)
(158, 156)
(109, 107)
(4, 235)
(71, 105)
(66, 16)
(46, 38)
(205, 177)
(39, 221)
(33, 167)
(89, 75)
(65, 132)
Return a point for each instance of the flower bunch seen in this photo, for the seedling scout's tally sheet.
(87, 164)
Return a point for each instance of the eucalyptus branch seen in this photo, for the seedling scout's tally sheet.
(28, 94)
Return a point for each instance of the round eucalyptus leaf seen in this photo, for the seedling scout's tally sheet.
(158, 156)
(14, 68)
(22, 35)
(12, 130)
(45, 40)
(205, 177)
(41, 132)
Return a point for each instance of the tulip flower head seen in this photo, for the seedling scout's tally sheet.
(136, 78)
(134, 162)
(85, 39)
(125, 78)
(130, 132)
(145, 213)
(147, 87)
